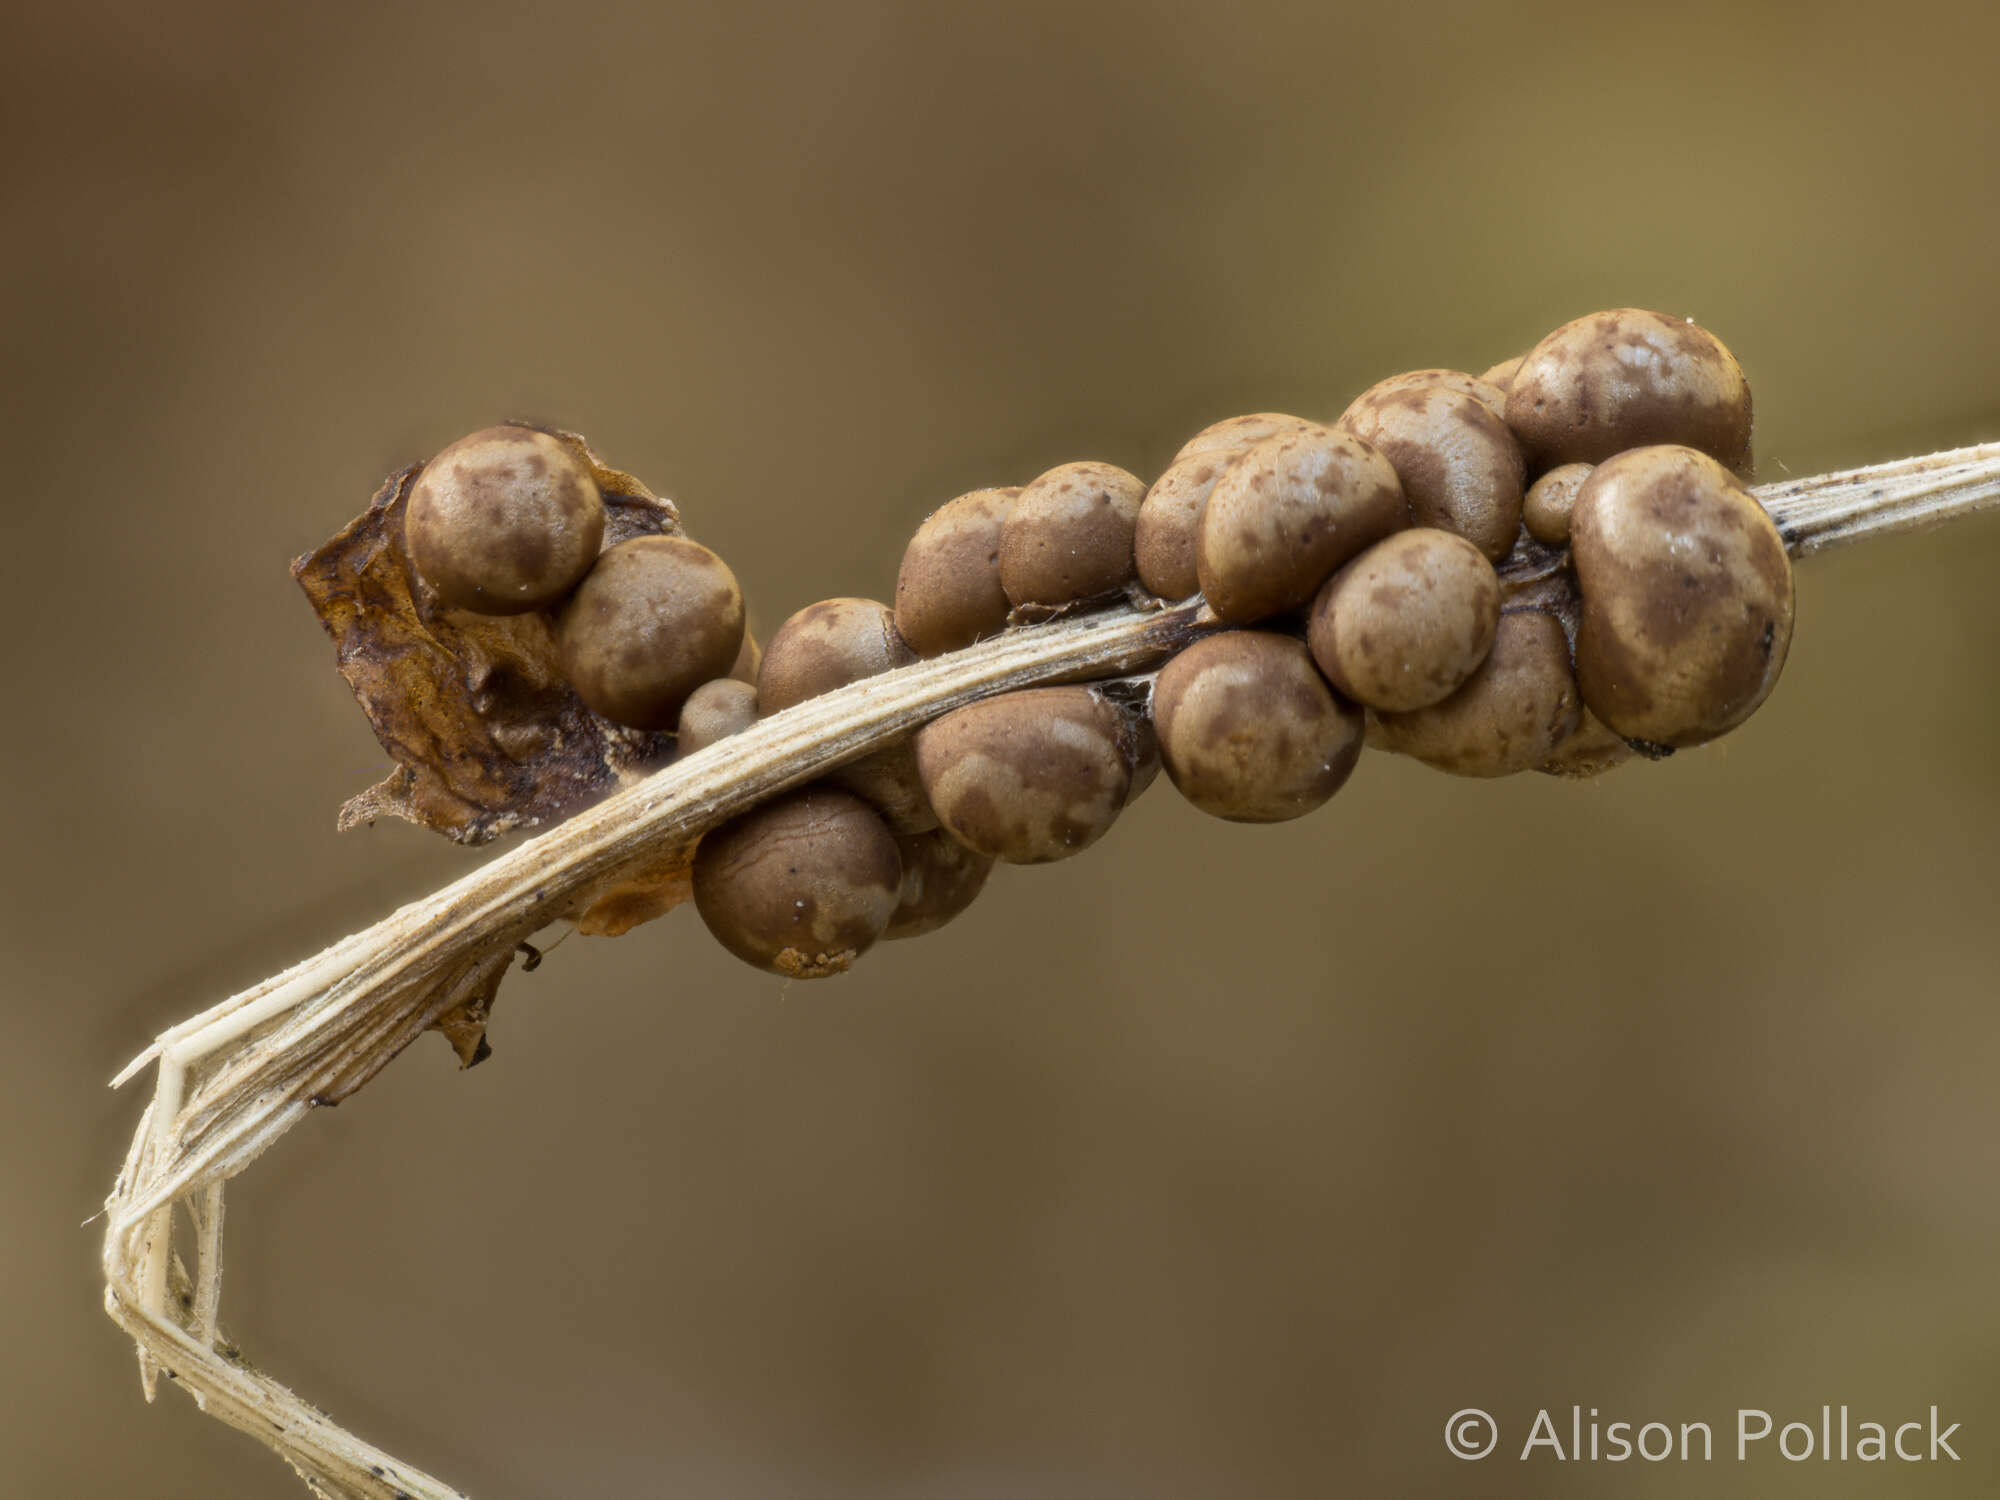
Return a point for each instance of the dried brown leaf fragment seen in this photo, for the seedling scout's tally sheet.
(486, 733)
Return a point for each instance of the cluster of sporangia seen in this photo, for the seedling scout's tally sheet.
(1642, 599)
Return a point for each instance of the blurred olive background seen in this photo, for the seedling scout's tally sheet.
(1222, 1161)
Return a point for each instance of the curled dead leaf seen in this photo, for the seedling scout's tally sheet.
(486, 733)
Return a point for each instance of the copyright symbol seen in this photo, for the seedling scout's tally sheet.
(1471, 1433)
